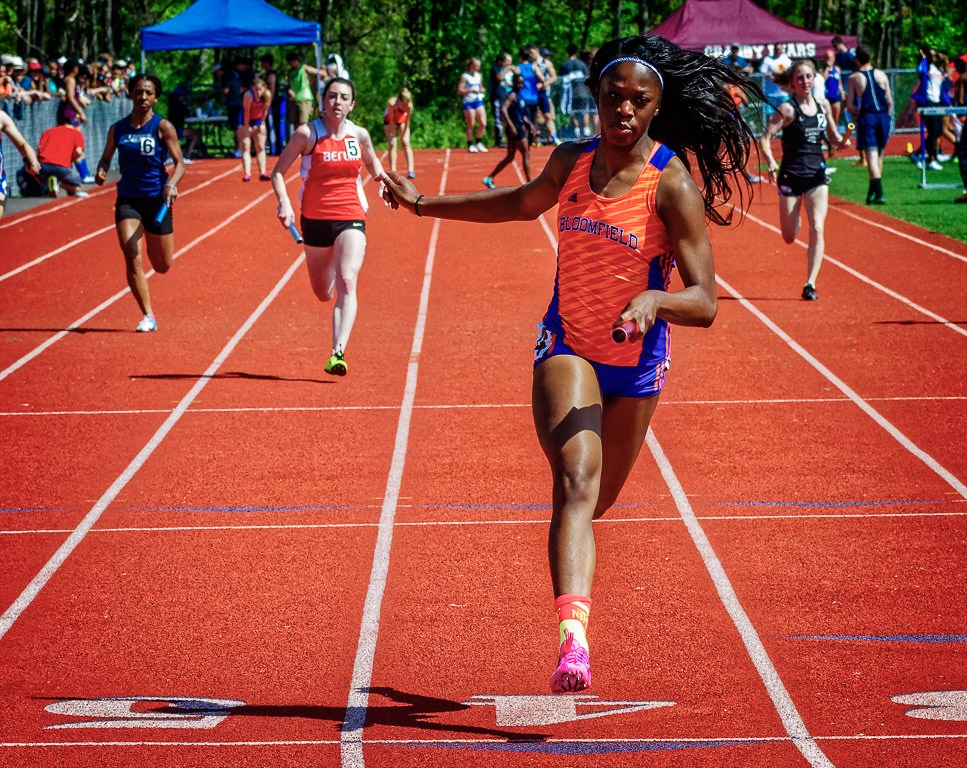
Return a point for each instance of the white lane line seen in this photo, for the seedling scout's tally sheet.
(873, 283)
(90, 519)
(472, 743)
(517, 521)
(85, 238)
(841, 385)
(781, 699)
(898, 233)
(351, 733)
(122, 293)
(475, 406)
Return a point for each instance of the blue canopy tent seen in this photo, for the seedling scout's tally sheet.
(230, 24)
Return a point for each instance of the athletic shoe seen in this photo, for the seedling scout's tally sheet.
(411, 175)
(944, 158)
(337, 365)
(573, 671)
(861, 163)
(87, 179)
(264, 177)
(53, 187)
(480, 147)
(246, 177)
(489, 182)
(915, 159)
(933, 165)
(962, 198)
(809, 292)
(472, 148)
(831, 169)
(78, 193)
(876, 200)
(147, 324)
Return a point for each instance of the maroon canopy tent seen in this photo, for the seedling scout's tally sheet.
(712, 26)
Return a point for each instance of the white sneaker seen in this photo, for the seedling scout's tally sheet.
(933, 165)
(87, 179)
(147, 324)
(944, 158)
(472, 148)
(78, 193)
(481, 147)
(915, 159)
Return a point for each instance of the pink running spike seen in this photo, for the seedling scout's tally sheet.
(573, 668)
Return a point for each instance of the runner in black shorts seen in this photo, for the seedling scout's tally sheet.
(802, 176)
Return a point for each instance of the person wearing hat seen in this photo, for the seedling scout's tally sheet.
(31, 164)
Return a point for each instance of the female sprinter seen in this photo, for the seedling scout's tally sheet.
(593, 399)
(255, 109)
(396, 125)
(144, 141)
(333, 206)
(471, 91)
(519, 129)
(802, 176)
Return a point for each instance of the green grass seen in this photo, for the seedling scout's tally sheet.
(932, 209)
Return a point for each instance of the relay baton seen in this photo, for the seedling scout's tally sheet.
(162, 212)
(295, 234)
(623, 331)
(849, 132)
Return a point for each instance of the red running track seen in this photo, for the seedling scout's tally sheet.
(216, 555)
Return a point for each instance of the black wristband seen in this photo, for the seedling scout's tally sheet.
(416, 206)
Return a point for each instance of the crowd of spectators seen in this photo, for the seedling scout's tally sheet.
(27, 81)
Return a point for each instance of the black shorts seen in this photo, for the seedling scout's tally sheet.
(322, 233)
(144, 209)
(791, 185)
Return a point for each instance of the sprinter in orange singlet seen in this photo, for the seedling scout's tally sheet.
(333, 206)
(628, 212)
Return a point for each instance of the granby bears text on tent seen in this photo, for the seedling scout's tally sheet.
(711, 26)
(228, 24)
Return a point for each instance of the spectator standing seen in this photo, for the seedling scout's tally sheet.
(143, 141)
(959, 99)
(577, 103)
(252, 132)
(774, 64)
(932, 91)
(71, 108)
(471, 92)
(301, 102)
(397, 118)
(31, 163)
(548, 78)
(834, 87)
(735, 60)
(498, 86)
(178, 112)
(59, 148)
(273, 119)
(869, 98)
(237, 82)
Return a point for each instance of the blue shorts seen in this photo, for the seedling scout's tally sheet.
(469, 106)
(613, 380)
(543, 102)
(872, 130)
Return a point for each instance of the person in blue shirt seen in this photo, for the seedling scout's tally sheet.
(144, 141)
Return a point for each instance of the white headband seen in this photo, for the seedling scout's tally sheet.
(652, 67)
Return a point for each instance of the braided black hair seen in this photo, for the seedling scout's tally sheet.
(698, 118)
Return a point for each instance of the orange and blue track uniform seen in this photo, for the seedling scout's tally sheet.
(609, 250)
